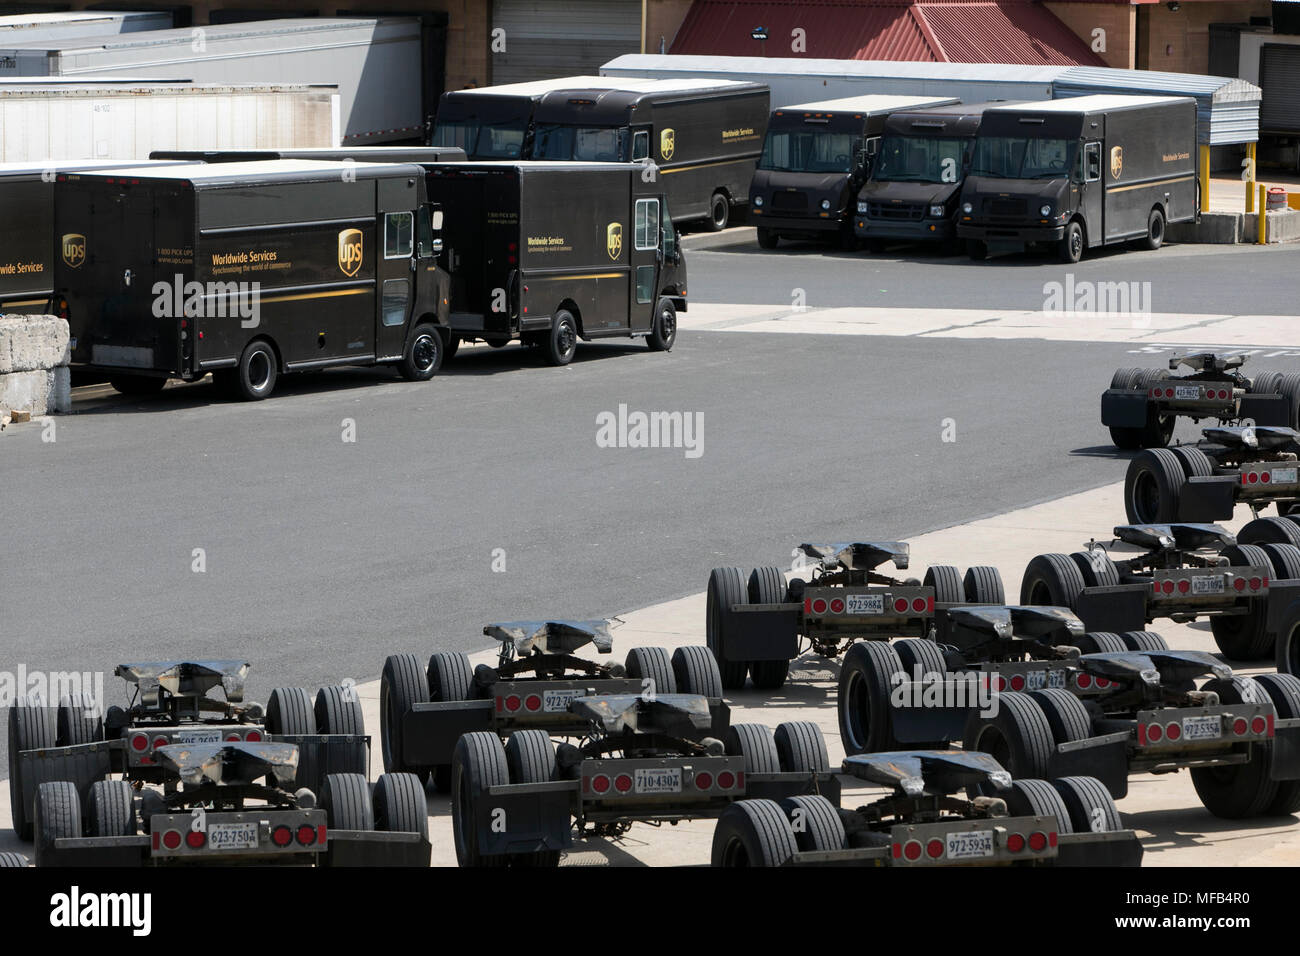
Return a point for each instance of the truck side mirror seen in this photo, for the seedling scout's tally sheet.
(437, 246)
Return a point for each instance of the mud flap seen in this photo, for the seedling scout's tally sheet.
(525, 818)
(778, 786)
(376, 848)
(430, 731)
(1123, 408)
(1208, 499)
(1117, 848)
(1118, 608)
(1266, 410)
(320, 755)
(81, 764)
(918, 725)
(1283, 596)
(761, 632)
(1285, 764)
(1104, 757)
(98, 851)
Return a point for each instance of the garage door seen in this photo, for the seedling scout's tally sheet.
(1279, 73)
(546, 38)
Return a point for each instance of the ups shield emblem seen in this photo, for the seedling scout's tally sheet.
(1116, 161)
(614, 239)
(350, 251)
(667, 143)
(74, 249)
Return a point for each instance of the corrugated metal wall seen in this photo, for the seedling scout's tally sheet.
(1280, 77)
(546, 38)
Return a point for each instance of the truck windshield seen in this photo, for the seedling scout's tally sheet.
(808, 151)
(1003, 157)
(601, 144)
(920, 159)
(479, 141)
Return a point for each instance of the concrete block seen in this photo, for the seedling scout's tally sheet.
(30, 343)
(1216, 228)
(35, 392)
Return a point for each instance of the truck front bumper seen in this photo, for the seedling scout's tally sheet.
(795, 225)
(912, 231)
(1010, 233)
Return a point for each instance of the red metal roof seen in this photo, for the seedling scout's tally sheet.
(958, 31)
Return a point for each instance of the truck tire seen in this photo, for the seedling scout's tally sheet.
(1238, 791)
(719, 212)
(1125, 378)
(1096, 568)
(919, 652)
(1127, 439)
(815, 823)
(1065, 714)
(423, 354)
(289, 712)
(1153, 486)
(562, 343)
(449, 676)
(13, 860)
(256, 373)
(663, 328)
(983, 585)
(1019, 736)
(57, 814)
(1270, 530)
(1051, 580)
(1196, 463)
(726, 589)
(767, 586)
(1265, 383)
(110, 810)
(1144, 641)
(78, 721)
(1288, 645)
(1100, 642)
(338, 711)
(800, 747)
(1037, 798)
(1285, 559)
(31, 727)
(530, 758)
(947, 583)
(654, 668)
(400, 805)
(1159, 428)
(1070, 248)
(400, 688)
(479, 762)
(346, 800)
(1089, 804)
(696, 672)
(1284, 691)
(767, 239)
(866, 680)
(1155, 237)
(137, 384)
(756, 744)
(1289, 387)
(753, 833)
(1244, 638)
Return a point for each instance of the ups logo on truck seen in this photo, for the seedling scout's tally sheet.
(614, 239)
(667, 143)
(350, 251)
(1116, 161)
(74, 249)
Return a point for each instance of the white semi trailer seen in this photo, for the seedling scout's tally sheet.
(375, 63)
(43, 27)
(112, 121)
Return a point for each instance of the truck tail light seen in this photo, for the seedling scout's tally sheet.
(512, 703)
(306, 834)
(196, 839)
(1240, 726)
(1259, 726)
(159, 742)
(281, 836)
(600, 783)
(1173, 731)
(819, 606)
(1083, 681)
(1015, 843)
(623, 783)
(1154, 733)
(1018, 682)
(934, 849)
(253, 736)
(900, 605)
(139, 742)
(1038, 841)
(918, 605)
(703, 781)
(533, 703)
(1239, 584)
(172, 839)
(837, 605)
(912, 850)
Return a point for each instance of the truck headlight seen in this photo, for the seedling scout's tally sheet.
(1046, 210)
(758, 200)
(936, 212)
(826, 204)
(967, 208)
(862, 208)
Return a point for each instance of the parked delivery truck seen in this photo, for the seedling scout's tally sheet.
(815, 156)
(1081, 173)
(249, 270)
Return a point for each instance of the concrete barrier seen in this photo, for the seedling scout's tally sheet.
(34, 365)
(1229, 227)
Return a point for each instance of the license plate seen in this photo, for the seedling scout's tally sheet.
(864, 603)
(1036, 680)
(196, 737)
(659, 780)
(558, 701)
(232, 836)
(1207, 584)
(965, 846)
(1202, 728)
(1187, 391)
(1284, 476)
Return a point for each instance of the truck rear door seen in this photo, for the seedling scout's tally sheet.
(644, 259)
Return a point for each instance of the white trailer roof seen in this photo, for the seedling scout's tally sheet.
(1091, 104)
(205, 172)
(875, 103)
(635, 84)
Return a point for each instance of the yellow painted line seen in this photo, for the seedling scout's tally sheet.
(721, 162)
(314, 295)
(1154, 182)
